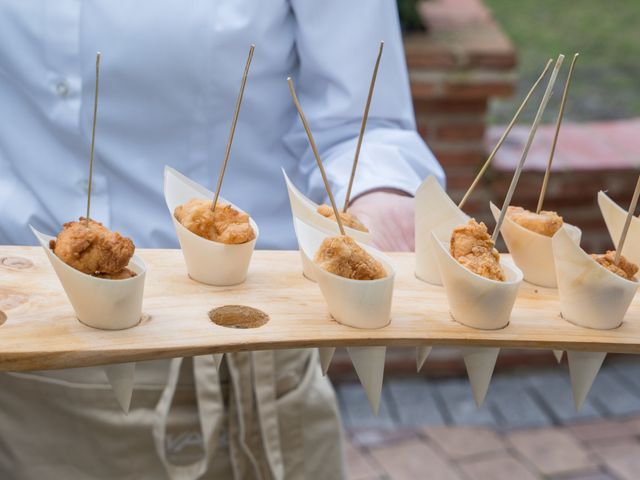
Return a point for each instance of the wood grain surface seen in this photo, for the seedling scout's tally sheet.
(41, 331)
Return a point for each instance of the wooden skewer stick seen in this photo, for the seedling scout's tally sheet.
(525, 152)
(233, 127)
(484, 168)
(362, 127)
(316, 154)
(563, 102)
(627, 223)
(93, 138)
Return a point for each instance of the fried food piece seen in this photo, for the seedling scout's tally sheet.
(348, 219)
(472, 246)
(92, 248)
(225, 225)
(344, 257)
(121, 275)
(624, 268)
(545, 223)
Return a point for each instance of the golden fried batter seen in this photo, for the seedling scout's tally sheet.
(624, 268)
(225, 225)
(121, 275)
(92, 248)
(344, 257)
(545, 223)
(348, 219)
(472, 246)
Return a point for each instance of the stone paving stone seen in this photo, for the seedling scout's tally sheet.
(595, 475)
(600, 448)
(628, 370)
(460, 407)
(360, 465)
(554, 389)
(463, 442)
(374, 437)
(552, 451)
(602, 430)
(414, 459)
(356, 410)
(624, 461)
(516, 408)
(500, 467)
(414, 402)
(634, 423)
(612, 395)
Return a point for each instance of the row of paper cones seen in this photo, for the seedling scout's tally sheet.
(589, 294)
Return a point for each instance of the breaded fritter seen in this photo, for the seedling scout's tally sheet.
(545, 223)
(348, 219)
(121, 275)
(472, 246)
(624, 268)
(225, 225)
(92, 248)
(344, 257)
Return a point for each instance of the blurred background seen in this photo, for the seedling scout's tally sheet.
(471, 62)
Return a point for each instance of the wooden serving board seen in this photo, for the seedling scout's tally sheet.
(41, 331)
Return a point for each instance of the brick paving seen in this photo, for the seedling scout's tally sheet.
(528, 428)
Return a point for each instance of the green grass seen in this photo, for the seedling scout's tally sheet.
(606, 81)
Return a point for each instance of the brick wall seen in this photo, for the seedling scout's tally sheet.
(455, 68)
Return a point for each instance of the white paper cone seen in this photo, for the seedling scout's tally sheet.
(474, 300)
(531, 251)
(122, 377)
(356, 303)
(590, 295)
(480, 362)
(98, 302)
(326, 355)
(435, 212)
(369, 365)
(209, 262)
(614, 217)
(583, 368)
(217, 359)
(422, 353)
(558, 355)
(305, 210)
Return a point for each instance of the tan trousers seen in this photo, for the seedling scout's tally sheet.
(264, 415)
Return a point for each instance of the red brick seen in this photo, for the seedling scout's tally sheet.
(422, 52)
(464, 442)
(450, 106)
(359, 465)
(552, 451)
(412, 459)
(461, 158)
(460, 132)
(465, 90)
(499, 467)
(425, 90)
(496, 60)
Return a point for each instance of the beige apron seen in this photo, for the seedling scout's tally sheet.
(265, 415)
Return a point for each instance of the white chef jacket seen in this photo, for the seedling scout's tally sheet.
(170, 74)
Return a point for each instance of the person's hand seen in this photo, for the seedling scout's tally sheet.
(389, 216)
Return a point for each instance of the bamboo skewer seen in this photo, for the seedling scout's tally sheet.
(93, 138)
(314, 148)
(563, 102)
(233, 127)
(484, 168)
(362, 127)
(525, 152)
(627, 223)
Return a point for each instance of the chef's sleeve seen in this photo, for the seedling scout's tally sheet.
(337, 43)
